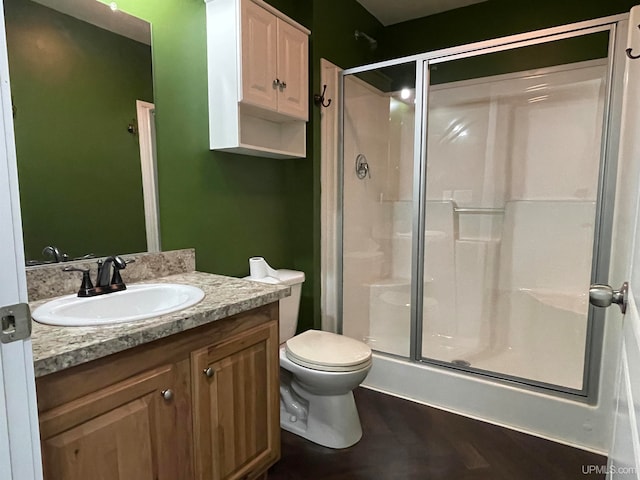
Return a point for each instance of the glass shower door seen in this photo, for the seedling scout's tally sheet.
(512, 202)
(378, 159)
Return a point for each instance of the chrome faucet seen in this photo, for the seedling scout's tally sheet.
(53, 251)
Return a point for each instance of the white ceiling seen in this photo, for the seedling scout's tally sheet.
(101, 15)
(389, 12)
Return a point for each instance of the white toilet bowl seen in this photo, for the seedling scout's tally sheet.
(316, 387)
(318, 370)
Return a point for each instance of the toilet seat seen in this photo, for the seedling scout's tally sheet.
(328, 352)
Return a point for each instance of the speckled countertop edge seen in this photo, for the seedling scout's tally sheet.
(58, 348)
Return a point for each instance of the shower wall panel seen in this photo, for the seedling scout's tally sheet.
(377, 213)
(518, 157)
(366, 256)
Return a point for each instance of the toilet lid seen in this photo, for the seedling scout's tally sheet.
(327, 351)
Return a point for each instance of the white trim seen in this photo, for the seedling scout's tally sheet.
(148, 163)
(19, 436)
(328, 197)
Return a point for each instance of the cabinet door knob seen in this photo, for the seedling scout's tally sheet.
(283, 84)
(276, 83)
(167, 394)
(208, 372)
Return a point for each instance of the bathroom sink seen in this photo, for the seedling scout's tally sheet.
(137, 302)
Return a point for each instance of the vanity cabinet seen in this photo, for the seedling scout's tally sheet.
(258, 79)
(236, 404)
(125, 431)
(201, 404)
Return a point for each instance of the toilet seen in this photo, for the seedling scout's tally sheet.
(318, 370)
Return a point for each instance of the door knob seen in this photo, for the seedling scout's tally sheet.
(604, 295)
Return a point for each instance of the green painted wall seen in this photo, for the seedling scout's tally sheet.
(488, 20)
(334, 25)
(74, 87)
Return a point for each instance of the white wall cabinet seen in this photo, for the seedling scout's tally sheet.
(258, 79)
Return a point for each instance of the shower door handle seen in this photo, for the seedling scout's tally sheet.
(604, 295)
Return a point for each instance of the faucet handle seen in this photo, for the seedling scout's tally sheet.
(86, 288)
(119, 264)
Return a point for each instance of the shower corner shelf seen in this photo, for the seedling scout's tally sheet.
(257, 62)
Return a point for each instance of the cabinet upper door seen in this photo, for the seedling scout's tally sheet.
(258, 74)
(236, 405)
(293, 71)
(123, 432)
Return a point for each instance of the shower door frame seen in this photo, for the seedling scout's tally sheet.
(604, 203)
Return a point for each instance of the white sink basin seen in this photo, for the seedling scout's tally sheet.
(137, 302)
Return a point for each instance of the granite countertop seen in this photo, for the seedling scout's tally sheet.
(57, 348)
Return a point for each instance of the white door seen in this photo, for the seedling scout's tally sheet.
(19, 436)
(624, 455)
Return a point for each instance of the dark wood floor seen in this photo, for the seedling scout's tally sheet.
(405, 441)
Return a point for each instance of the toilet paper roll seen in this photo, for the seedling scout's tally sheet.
(259, 268)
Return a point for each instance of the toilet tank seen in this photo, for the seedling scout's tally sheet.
(289, 306)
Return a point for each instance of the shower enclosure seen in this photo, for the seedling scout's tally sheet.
(476, 201)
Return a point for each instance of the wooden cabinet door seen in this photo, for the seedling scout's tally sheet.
(236, 405)
(122, 432)
(258, 73)
(293, 70)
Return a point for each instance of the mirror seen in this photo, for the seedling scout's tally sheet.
(77, 73)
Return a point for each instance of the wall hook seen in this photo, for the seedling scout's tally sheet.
(319, 99)
(132, 128)
(631, 55)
